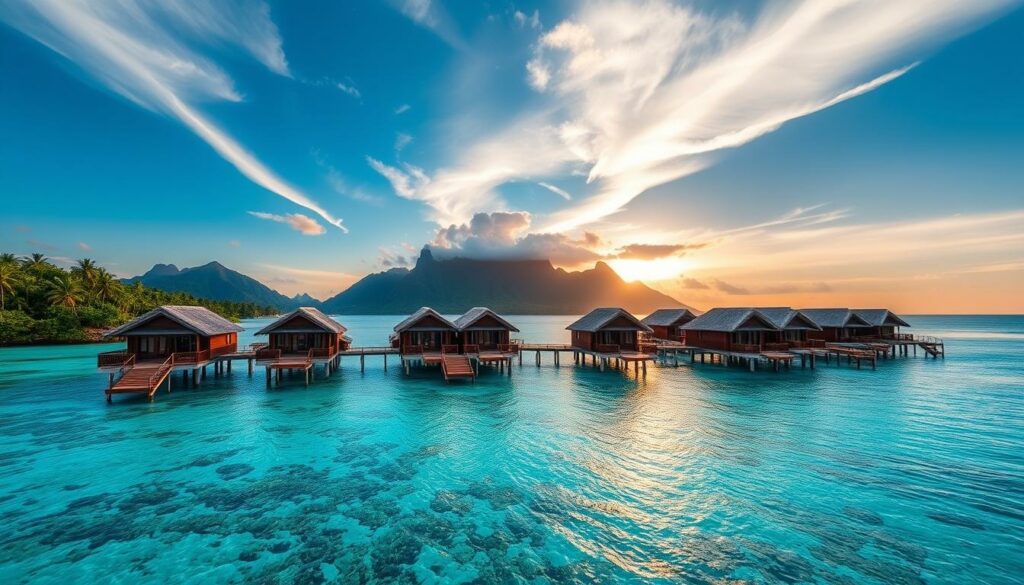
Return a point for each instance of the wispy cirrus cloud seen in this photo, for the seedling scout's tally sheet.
(146, 51)
(639, 94)
(303, 224)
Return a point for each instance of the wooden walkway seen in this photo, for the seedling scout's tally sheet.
(455, 366)
(144, 379)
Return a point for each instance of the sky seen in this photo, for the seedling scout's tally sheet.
(729, 153)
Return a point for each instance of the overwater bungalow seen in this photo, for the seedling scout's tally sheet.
(168, 338)
(607, 330)
(749, 330)
(425, 331)
(883, 323)
(304, 330)
(483, 329)
(837, 325)
(195, 334)
(667, 323)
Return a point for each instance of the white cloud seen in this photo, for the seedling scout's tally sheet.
(639, 94)
(306, 225)
(406, 183)
(401, 141)
(402, 109)
(556, 190)
(84, 247)
(532, 21)
(349, 89)
(145, 51)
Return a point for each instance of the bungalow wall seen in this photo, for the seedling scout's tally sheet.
(430, 340)
(486, 338)
(303, 342)
(626, 340)
(709, 339)
(669, 332)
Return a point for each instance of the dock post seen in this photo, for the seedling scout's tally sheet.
(385, 362)
(229, 366)
(268, 376)
(195, 376)
(250, 368)
(602, 363)
(362, 362)
(520, 357)
(111, 384)
(538, 358)
(753, 364)
(645, 368)
(405, 364)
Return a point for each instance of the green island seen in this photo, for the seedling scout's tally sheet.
(42, 303)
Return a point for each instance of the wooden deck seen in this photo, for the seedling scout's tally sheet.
(456, 366)
(142, 379)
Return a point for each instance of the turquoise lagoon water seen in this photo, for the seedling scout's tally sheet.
(913, 473)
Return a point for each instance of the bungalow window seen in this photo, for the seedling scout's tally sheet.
(794, 335)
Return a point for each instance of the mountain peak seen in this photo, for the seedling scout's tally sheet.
(530, 287)
(162, 270)
(426, 257)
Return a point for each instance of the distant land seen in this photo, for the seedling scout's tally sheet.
(530, 287)
(217, 282)
(526, 287)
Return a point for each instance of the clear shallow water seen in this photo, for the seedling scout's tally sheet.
(913, 473)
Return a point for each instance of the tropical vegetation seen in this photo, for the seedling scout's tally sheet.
(41, 302)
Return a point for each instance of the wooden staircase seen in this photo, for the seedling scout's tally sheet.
(142, 379)
(932, 346)
(456, 366)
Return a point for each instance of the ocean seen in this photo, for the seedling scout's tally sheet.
(912, 473)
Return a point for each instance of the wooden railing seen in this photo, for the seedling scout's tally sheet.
(413, 350)
(162, 370)
(449, 348)
(608, 348)
(471, 348)
(321, 352)
(649, 347)
(226, 349)
(776, 346)
(266, 354)
(114, 359)
(190, 357)
(746, 348)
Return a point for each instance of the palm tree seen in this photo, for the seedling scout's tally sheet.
(8, 280)
(107, 288)
(8, 258)
(86, 269)
(35, 261)
(64, 291)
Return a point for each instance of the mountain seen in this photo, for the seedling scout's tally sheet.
(509, 286)
(305, 300)
(216, 282)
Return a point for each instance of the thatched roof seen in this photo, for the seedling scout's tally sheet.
(314, 316)
(667, 317)
(836, 318)
(421, 313)
(597, 319)
(880, 317)
(729, 319)
(466, 320)
(201, 320)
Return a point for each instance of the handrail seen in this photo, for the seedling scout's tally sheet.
(168, 364)
(191, 357)
(471, 348)
(112, 359)
(224, 349)
(449, 348)
(608, 348)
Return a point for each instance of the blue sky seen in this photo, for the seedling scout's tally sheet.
(725, 152)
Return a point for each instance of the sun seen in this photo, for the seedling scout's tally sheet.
(632, 270)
